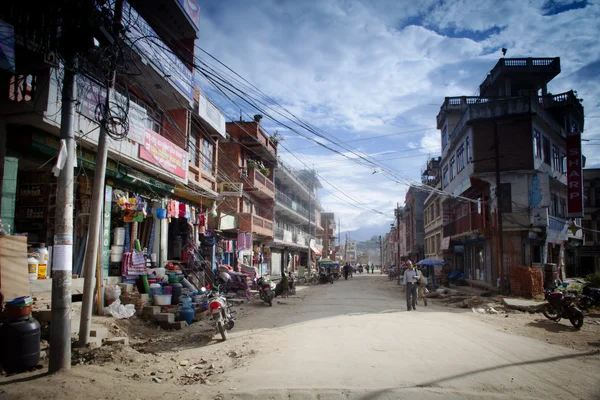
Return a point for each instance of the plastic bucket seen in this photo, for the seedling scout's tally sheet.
(161, 213)
(162, 300)
(119, 237)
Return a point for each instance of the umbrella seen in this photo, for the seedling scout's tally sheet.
(430, 262)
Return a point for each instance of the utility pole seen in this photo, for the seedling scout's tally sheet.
(62, 258)
(346, 249)
(499, 208)
(380, 255)
(398, 235)
(96, 212)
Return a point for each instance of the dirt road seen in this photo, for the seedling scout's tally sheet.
(352, 339)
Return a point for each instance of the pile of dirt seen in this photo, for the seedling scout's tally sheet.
(467, 301)
(118, 354)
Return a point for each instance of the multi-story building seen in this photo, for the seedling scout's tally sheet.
(295, 206)
(249, 158)
(529, 125)
(432, 214)
(351, 251)
(328, 236)
(160, 157)
(414, 223)
(589, 252)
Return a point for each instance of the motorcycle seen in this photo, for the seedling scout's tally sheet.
(221, 312)
(325, 277)
(590, 297)
(560, 306)
(265, 291)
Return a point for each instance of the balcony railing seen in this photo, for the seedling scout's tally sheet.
(253, 223)
(263, 186)
(466, 223)
(284, 199)
(551, 65)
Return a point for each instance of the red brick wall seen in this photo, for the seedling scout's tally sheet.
(526, 281)
(178, 133)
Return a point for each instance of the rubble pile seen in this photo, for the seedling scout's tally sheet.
(526, 282)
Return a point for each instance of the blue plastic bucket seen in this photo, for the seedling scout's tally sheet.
(161, 213)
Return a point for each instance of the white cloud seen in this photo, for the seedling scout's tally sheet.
(362, 68)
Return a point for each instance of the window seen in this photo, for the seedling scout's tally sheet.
(460, 158)
(536, 254)
(193, 149)
(437, 209)
(452, 168)
(556, 163)
(444, 137)
(208, 153)
(553, 205)
(563, 163)
(562, 208)
(467, 150)
(546, 148)
(445, 176)
(153, 117)
(537, 144)
(247, 206)
(596, 197)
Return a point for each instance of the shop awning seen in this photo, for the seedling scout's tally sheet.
(196, 194)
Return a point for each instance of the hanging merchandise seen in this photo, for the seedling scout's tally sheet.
(213, 210)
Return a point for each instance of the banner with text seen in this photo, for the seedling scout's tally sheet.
(160, 152)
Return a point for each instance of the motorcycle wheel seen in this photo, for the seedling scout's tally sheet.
(331, 280)
(270, 301)
(576, 322)
(585, 302)
(222, 330)
(550, 313)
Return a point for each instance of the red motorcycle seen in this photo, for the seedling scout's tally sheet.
(562, 305)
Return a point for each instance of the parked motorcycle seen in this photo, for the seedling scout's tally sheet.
(221, 312)
(325, 277)
(562, 306)
(265, 291)
(590, 297)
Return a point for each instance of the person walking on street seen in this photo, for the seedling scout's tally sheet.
(411, 277)
(422, 287)
(372, 268)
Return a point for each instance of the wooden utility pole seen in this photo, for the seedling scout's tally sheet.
(62, 257)
(95, 228)
(398, 235)
(380, 255)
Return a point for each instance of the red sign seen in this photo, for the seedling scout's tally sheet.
(160, 152)
(574, 176)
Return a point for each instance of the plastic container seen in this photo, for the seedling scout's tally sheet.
(162, 300)
(161, 213)
(119, 237)
(19, 345)
(116, 253)
(42, 258)
(167, 290)
(155, 289)
(32, 267)
(187, 313)
(177, 291)
(16, 312)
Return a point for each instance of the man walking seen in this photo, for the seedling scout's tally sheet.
(411, 277)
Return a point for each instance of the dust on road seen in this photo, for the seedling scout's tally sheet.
(347, 340)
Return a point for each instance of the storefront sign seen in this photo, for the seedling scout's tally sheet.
(212, 115)
(227, 222)
(136, 117)
(445, 243)
(459, 249)
(150, 47)
(574, 175)
(105, 260)
(192, 9)
(7, 47)
(90, 96)
(160, 152)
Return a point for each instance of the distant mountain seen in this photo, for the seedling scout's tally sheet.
(366, 232)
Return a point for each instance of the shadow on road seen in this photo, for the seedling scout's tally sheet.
(437, 382)
(551, 326)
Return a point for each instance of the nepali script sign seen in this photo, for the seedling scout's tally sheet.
(160, 152)
(574, 176)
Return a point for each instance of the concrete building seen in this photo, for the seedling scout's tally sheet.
(589, 252)
(249, 159)
(414, 223)
(531, 126)
(432, 214)
(328, 237)
(295, 205)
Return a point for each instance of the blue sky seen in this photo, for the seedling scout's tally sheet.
(357, 70)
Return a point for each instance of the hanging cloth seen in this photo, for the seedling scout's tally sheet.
(181, 209)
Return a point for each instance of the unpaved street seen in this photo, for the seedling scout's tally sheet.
(352, 339)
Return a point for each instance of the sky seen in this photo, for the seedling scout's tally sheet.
(372, 74)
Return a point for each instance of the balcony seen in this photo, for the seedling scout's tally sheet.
(466, 223)
(535, 71)
(248, 222)
(283, 235)
(284, 200)
(481, 108)
(260, 185)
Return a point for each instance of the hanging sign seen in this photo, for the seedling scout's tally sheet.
(574, 175)
(106, 230)
(160, 152)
